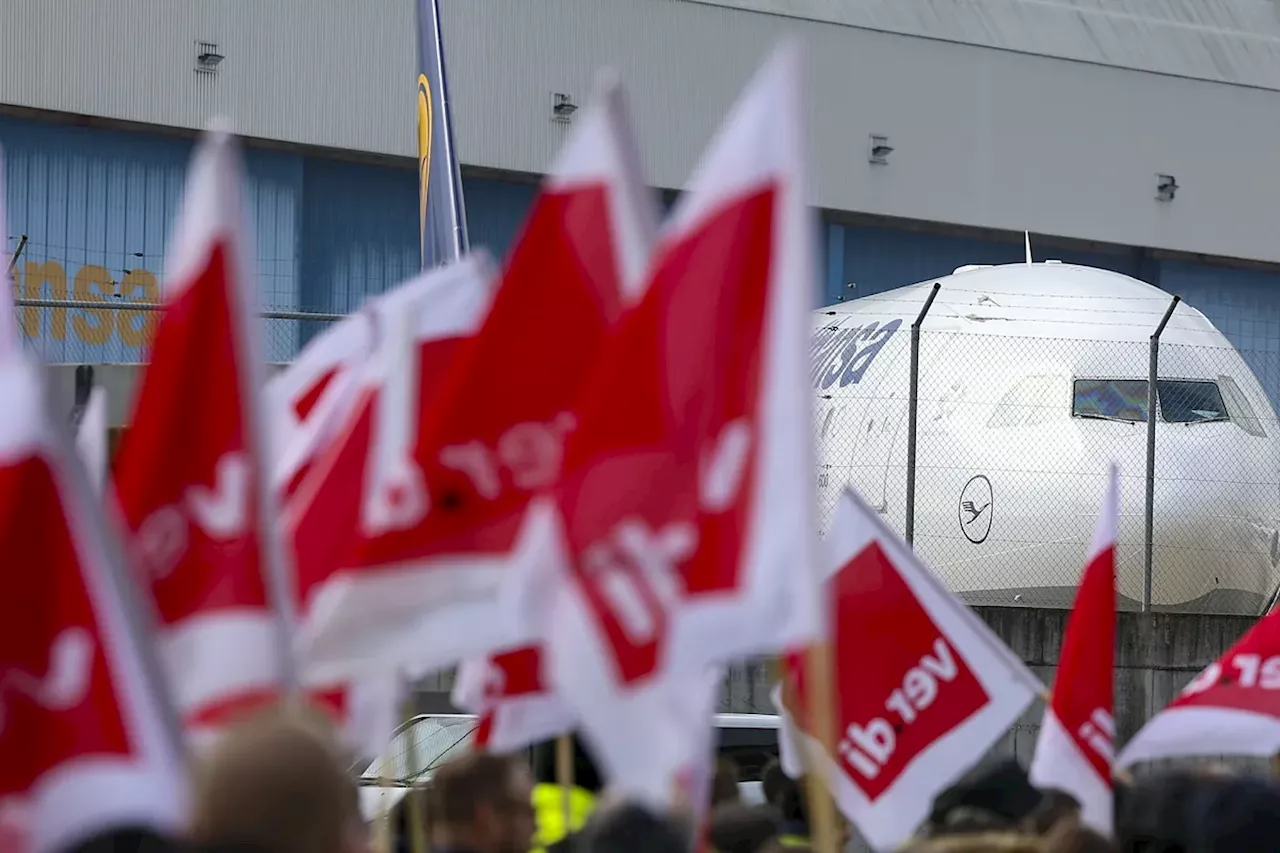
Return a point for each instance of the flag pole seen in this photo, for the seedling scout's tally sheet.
(564, 777)
(822, 722)
(412, 803)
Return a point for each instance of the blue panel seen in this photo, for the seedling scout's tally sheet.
(495, 211)
(879, 259)
(833, 240)
(360, 225)
(97, 206)
(1243, 304)
(359, 232)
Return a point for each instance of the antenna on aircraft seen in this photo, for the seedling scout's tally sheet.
(1027, 241)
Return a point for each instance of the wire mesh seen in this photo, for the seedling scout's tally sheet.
(120, 332)
(78, 305)
(1014, 431)
(1014, 437)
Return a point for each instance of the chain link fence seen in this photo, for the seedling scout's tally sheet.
(82, 306)
(64, 331)
(997, 475)
(985, 447)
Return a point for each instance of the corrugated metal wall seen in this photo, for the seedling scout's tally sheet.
(96, 208)
(982, 137)
(1245, 306)
(360, 228)
(874, 259)
(327, 73)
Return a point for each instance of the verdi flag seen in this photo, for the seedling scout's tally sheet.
(442, 217)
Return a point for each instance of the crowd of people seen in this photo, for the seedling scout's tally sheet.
(279, 783)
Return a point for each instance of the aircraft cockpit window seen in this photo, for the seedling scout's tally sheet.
(1032, 400)
(1182, 401)
(1111, 399)
(1239, 407)
(1188, 402)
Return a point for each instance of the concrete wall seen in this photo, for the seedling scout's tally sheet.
(984, 136)
(1155, 657)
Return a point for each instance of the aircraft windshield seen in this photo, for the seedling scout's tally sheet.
(1181, 401)
(1111, 399)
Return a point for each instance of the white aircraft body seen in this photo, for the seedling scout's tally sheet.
(1033, 379)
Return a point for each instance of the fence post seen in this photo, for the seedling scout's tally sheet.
(1148, 533)
(17, 253)
(913, 404)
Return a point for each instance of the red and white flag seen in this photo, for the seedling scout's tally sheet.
(87, 740)
(191, 473)
(515, 707)
(353, 487)
(922, 688)
(687, 492)
(1231, 708)
(323, 402)
(507, 689)
(363, 482)
(311, 400)
(1076, 744)
(420, 589)
(91, 438)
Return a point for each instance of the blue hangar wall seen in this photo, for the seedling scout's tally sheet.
(95, 207)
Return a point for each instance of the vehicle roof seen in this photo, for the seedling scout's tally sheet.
(428, 740)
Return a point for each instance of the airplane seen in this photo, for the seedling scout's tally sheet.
(1032, 381)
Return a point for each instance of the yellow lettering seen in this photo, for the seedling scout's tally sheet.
(137, 326)
(92, 325)
(37, 276)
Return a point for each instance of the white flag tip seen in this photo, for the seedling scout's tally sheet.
(607, 84)
(787, 57)
(220, 128)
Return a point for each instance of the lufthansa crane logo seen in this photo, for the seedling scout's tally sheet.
(425, 123)
(975, 509)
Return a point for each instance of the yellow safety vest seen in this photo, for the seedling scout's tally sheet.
(793, 841)
(549, 811)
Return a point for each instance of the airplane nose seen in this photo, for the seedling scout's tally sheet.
(1215, 547)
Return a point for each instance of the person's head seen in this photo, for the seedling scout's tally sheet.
(626, 827)
(409, 818)
(793, 807)
(738, 828)
(1067, 836)
(483, 803)
(791, 801)
(1239, 815)
(586, 774)
(1056, 806)
(132, 840)
(981, 842)
(277, 783)
(724, 787)
(1154, 814)
(772, 781)
(994, 797)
